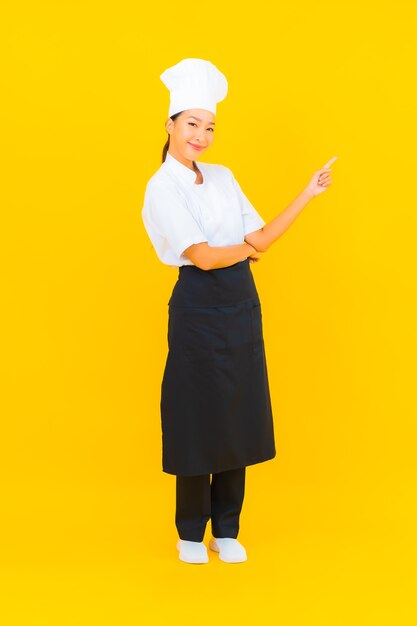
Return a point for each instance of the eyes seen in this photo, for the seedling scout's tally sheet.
(194, 124)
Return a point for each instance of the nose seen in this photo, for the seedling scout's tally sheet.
(200, 136)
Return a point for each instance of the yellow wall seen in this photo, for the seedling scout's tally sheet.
(88, 516)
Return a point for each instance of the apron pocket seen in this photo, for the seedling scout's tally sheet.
(257, 332)
(203, 332)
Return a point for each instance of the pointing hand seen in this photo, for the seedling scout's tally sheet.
(321, 179)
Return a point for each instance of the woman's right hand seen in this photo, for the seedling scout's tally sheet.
(255, 256)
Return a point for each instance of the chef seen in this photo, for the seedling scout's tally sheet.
(216, 414)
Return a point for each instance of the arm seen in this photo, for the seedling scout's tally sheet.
(265, 237)
(212, 257)
(268, 234)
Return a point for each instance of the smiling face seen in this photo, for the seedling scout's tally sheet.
(192, 129)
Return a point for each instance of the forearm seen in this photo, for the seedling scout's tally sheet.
(223, 256)
(264, 238)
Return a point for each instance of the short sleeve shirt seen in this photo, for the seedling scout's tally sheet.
(177, 212)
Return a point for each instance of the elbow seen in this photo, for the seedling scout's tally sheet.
(199, 255)
(203, 264)
(257, 240)
(259, 247)
(201, 261)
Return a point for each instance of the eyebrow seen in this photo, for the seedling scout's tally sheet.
(199, 119)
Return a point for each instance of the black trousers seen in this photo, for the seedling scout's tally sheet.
(198, 500)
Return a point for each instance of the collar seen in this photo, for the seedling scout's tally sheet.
(181, 170)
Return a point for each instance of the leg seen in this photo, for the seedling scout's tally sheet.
(227, 493)
(192, 506)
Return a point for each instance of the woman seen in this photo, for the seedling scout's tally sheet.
(215, 404)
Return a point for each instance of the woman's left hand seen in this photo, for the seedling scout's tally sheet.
(321, 179)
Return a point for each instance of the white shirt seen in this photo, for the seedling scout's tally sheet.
(178, 213)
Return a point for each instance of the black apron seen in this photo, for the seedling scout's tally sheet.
(215, 405)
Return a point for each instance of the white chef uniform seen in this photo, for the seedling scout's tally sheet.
(177, 212)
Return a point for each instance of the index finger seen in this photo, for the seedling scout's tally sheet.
(328, 164)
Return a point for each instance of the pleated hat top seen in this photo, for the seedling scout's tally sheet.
(194, 84)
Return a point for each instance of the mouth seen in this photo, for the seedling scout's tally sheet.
(198, 148)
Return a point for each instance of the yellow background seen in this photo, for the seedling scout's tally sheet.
(87, 520)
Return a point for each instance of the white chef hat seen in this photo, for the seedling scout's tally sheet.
(194, 84)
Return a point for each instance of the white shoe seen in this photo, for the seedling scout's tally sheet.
(230, 550)
(192, 551)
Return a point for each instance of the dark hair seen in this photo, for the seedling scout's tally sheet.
(166, 146)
